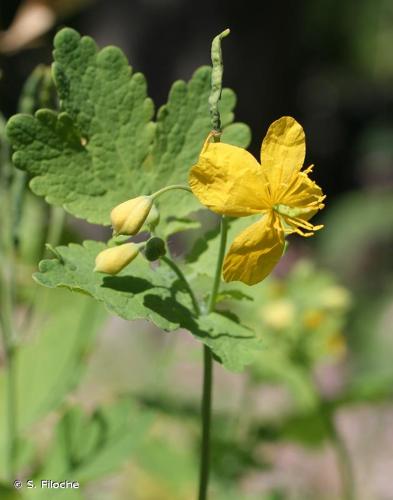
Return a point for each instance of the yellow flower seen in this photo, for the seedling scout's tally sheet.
(113, 260)
(230, 181)
(129, 217)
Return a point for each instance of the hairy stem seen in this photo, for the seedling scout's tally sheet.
(206, 405)
(206, 421)
(208, 374)
(170, 188)
(220, 260)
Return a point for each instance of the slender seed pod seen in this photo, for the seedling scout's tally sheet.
(216, 80)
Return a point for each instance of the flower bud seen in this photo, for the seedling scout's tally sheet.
(128, 217)
(153, 219)
(155, 248)
(113, 260)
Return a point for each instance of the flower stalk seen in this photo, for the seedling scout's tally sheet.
(170, 188)
(343, 458)
(208, 373)
(206, 404)
(176, 269)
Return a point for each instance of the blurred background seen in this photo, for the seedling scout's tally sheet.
(330, 65)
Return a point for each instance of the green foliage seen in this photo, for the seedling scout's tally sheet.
(233, 344)
(139, 291)
(167, 469)
(308, 428)
(9, 493)
(38, 91)
(51, 363)
(366, 219)
(102, 148)
(363, 259)
(202, 256)
(301, 320)
(136, 292)
(87, 447)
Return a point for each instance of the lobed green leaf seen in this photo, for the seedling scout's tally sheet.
(140, 291)
(103, 148)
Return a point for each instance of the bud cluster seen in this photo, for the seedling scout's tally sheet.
(128, 219)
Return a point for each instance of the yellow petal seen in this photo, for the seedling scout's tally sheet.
(229, 181)
(282, 153)
(303, 195)
(256, 251)
(303, 192)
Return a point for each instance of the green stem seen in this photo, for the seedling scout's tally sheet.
(343, 459)
(11, 388)
(208, 374)
(10, 375)
(182, 278)
(206, 421)
(169, 188)
(56, 226)
(220, 260)
(242, 420)
(206, 406)
(7, 291)
(18, 189)
(342, 455)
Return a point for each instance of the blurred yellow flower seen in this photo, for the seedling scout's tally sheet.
(337, 345)
(230, 181)
(336, 297)
(279, 314)
(313, 318)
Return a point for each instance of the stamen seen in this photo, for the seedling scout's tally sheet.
(213, 133)
(308, 170)
(300, 223)
(295, 229)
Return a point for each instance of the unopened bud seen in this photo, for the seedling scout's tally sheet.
(155, 248)
(113, 260)
(153, 219)
(128, 217)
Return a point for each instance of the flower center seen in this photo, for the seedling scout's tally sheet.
(292, 211)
